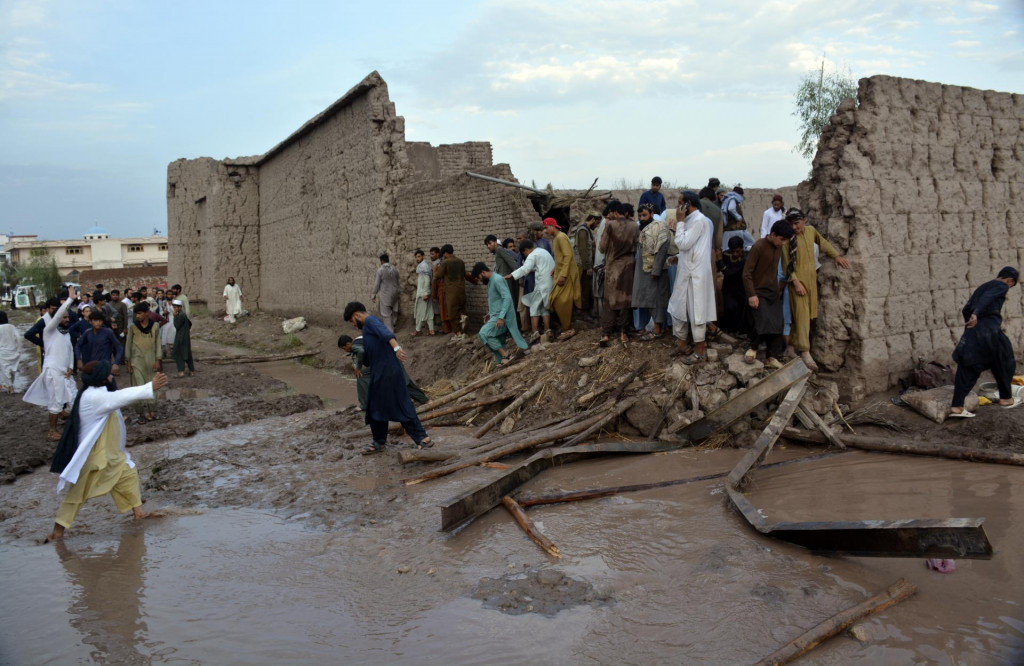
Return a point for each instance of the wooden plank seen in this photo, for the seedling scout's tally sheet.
(819, 423)
(531, 530)
(766, 440)
(913, 448)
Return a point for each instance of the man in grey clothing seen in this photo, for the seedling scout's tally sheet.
(386, 292)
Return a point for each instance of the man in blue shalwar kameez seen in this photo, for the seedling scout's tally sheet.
(983, 345)
(388, 398)
(501, 315)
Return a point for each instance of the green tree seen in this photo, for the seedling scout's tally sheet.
(817, 98)
(42, 272)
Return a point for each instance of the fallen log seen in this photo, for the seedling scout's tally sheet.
(819, 423)
(810, 639)
(463, 407)
(224, 360)
(894, 445)
(516, 404)
(423, 455)
(507, 450)
(597, 493)
(516, 366)
(557, 421)
(531, 530)
(605, 420)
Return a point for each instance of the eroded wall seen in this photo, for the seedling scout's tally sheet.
(921, 185)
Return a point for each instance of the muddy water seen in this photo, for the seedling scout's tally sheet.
(688, 581)
(336, 390)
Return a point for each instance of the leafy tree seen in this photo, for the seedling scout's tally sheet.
(817, 98)
(42, 272)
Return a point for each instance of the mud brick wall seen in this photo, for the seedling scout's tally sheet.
(462, 211)
(119, 278)
(327, 198)
(213, 227)
(921, 185)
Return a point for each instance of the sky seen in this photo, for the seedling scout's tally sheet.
(96, 98)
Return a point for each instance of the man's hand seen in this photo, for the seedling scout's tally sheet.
(753, 302)
(113, 369)
(561, 281)
(72, 293)
(509, 277)
(357, 372)
(373, 298)
(426, 297)
(487, 318)
(973, 321)
(842, 262)
(67, 373)
(158, 366)
(402, 356)
(799, 287)
(500, 323)
(128, 366)
(159, 381)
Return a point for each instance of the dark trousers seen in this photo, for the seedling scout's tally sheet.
(413, 428)
(615, 321)
(967, 377)
(775, 344)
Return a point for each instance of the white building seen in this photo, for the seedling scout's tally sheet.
(96, 251)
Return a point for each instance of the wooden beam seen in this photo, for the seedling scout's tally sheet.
(913, 448)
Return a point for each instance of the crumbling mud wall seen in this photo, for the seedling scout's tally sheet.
(462, 211)
(213, 227)
(921, 185)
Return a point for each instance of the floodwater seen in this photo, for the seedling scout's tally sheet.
(335, 389)
(688, 581)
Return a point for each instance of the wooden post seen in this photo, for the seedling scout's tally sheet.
(531, 530)
(466, 406)
(423, 455)
(896, 593)
(910, 447)
(819, 423)
(608, 418)
(483, 381)
(516, 404)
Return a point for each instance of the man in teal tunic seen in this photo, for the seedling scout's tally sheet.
(501, 316)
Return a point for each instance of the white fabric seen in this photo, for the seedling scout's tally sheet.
(167, 330)
(598, 254)
(424, 275)
(693, 294)
(175, 302)
(51, 389)
(679, 330)
(96, 405)
(233, 304)
(542, 265)
(770, 217)
(10, 353)
(127, 301)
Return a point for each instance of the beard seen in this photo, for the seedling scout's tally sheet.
(359, 325)
(485, 280)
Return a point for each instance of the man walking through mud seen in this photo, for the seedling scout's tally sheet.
(388, 397)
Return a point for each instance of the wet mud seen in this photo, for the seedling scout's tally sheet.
(543, 591)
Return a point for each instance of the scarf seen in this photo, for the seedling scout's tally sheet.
(94, 373)
(145, 329)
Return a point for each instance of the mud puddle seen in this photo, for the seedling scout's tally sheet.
(671, 575)
(334, 389)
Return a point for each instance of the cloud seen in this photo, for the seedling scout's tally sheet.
(982, 7)
(965, 44)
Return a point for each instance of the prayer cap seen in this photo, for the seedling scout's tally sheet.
(647, 206)
(550, 222)
(1010, 272)
(777, 197)
(721, 190)
(176, 302)
(794, 214)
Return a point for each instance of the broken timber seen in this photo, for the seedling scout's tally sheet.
(463, 509)
(946, 538)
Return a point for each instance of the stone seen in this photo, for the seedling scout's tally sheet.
(549, 577)
(821, 396)
(726, 381)
(404, 569)
(507, 426)
(742, 370)
(676, 372)
(584, 378)
(712, 355)
(588, 361)
(710, 397)
(644, 416)
(707, 374)
(293, 325)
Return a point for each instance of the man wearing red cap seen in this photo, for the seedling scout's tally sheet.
(566, 291)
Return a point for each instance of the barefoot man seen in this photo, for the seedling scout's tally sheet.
(91, 456)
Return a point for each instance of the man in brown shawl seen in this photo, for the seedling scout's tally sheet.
(452, 272)
(617, 243)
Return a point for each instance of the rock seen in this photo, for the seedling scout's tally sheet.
(740, 427)
(404, 569)
(644, 416)
(507, 426)
(431, 572)
(588, 361)
(707, 374)
(821, 397)
(725, 381)
(860, 633)
(293, 325)
(745, 440)
(744, 372)
(712, 355)
(934, 403)
(710, 397)
(549, 577)
(676, 372)
(583, 380)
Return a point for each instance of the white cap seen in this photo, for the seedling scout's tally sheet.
(176, 302)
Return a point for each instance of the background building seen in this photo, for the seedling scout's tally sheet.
(96, 251)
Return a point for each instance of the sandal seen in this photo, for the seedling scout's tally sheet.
(372, 448)
(603, 342)
(962, 415)
(565, 335)
(714, 335)
(693, 359)
(1017, 401)
(649, 336)
(425, 443)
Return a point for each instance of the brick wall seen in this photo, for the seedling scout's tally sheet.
(119, 278)
(921, 185)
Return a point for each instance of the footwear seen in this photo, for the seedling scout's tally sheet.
(1016, 403)
(809, 361)
(789, 354)
(372, 448)
(962, 415)
(565, 335)
(773, 363)
(53, 436)
(425, 443)
(415, 334)
(693, 359)
(534, 337)
(750, 356)
(603, 342)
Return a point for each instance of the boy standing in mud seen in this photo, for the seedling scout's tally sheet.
(388, 397)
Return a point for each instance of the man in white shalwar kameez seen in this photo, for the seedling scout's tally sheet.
(232, 300)
(10, 354)
(91, 457)
(424, 308)
(693, 296)
(539, 262)
(55, 387)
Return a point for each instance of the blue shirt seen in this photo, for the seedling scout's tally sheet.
(656, 198)
(99, 346)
